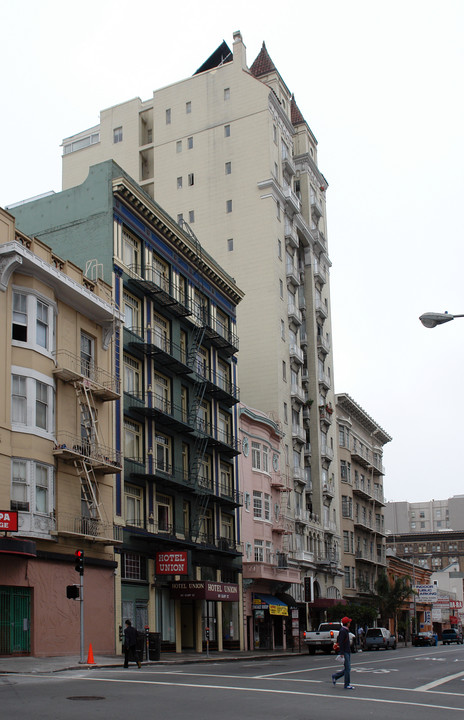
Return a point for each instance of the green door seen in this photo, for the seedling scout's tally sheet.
(15, 620)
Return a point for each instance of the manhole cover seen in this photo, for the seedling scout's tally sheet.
(86, 697)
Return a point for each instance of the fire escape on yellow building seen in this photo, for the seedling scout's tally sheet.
(86, 451)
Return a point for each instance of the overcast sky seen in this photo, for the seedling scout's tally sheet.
(381, 86)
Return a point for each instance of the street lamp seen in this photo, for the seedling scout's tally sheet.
(431, 319)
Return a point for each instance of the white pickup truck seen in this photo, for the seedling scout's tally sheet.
(324, 638)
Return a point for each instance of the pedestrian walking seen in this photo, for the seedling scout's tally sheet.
(361, 636)
(130, 645)
(344, 643)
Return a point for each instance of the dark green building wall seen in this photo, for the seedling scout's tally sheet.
(76, 223)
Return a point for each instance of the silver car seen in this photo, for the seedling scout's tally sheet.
(379, 638)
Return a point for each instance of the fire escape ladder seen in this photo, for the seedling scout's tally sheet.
(90, 443)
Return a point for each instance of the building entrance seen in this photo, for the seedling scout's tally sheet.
(15, 620)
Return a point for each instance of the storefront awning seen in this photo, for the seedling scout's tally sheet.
(271, 603)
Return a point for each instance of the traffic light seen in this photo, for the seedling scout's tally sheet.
(79, 566)
(72, 592)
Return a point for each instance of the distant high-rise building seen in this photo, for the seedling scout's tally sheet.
(425, 516)
(228, 153)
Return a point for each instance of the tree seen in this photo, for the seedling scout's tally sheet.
(360, 614)
(387, 597)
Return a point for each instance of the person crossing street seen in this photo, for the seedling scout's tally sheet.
(345, 650)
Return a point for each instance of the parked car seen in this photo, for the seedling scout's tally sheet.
(452, 636)
(424, 638)
(325, 637)
(376, 638)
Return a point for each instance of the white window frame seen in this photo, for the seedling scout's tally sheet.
(163, 447)
(267, 507)
(35, 314)
(34, 491)
(132, 309)
(265, 458)
(132, 375)
(133, 439)
(133, 500)
(257, 505)
(32, 381)
(259, 551)
(163, 513)
(130, 250)
(255, 455)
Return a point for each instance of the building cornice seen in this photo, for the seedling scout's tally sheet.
(14, 255)
(151, 213)
(350, 406)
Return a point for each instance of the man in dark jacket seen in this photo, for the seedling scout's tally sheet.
(130, 645)
(345, 650)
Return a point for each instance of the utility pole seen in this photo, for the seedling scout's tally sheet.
(79, 567)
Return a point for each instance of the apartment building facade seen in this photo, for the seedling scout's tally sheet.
(361, 441)
(426, 516)
(177, 496)
(57, 453)
(270, 582)
(228, 153)
(432, 550)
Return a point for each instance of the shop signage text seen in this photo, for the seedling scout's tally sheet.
(172, 563)
(205, 590)
(9, 520)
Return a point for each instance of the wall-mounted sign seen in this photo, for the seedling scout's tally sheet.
(457, 604)
(172, 563)
(205, 590)
(426, 593)
(9, 520)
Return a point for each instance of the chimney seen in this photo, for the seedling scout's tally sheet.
(239, 50)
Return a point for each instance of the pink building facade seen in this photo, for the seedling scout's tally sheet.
(270, 614)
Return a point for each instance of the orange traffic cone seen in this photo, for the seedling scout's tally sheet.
(90, 660)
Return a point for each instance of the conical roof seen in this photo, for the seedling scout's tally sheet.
(263, 63)
(296, 115)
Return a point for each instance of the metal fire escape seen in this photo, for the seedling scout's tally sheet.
(201, 500)
(90, 442)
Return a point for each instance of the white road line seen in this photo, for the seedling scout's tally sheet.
(441, 681)
(354, 664)
(331, 696)
(67, 678)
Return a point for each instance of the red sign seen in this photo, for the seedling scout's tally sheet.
(9, 520)
(453, 620)
(457, 604)
(205, 590)
(172, 563)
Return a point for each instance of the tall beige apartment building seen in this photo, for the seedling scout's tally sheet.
(228, 154)
(361, 440)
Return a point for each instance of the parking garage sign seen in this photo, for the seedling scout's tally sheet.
(426, 593)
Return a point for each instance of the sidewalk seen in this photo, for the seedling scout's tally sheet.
(33, 665)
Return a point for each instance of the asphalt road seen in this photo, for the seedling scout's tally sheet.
(408, 683)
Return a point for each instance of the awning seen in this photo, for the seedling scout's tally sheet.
(271, 603)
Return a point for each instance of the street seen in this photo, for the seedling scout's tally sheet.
(411, 683)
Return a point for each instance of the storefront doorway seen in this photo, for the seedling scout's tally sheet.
(187, 616)
(15, 620)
